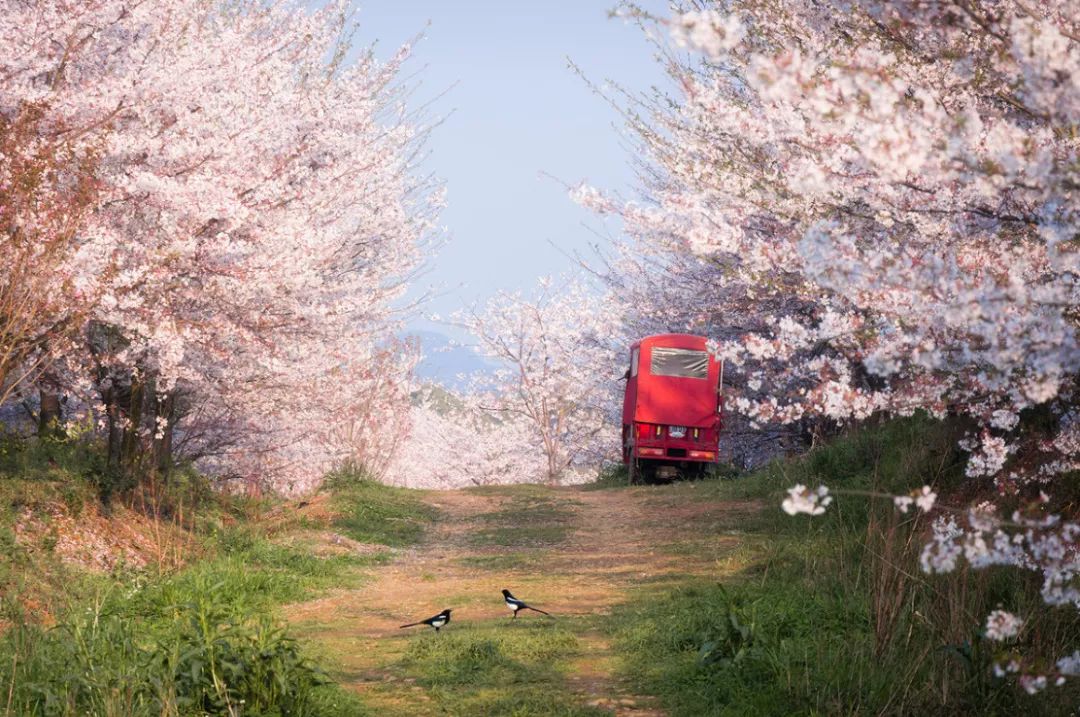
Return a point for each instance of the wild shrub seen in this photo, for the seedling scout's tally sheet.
(216, 660)
(205, 656)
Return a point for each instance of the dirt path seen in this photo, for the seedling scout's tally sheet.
(574, 552)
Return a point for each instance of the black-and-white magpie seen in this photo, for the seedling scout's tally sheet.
(436, 622)
(514, 604)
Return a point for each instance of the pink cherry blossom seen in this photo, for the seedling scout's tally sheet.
(256, 220)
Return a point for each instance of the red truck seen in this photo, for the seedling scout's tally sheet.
(673, 409)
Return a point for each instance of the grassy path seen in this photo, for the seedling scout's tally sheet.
(575, 552)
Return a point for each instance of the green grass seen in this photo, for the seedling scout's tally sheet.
(612, 475)
(199, 641)
(371, 512)
(831, 614)
(35, 473)
(37, 477)
(202, 640)
(249, 572)
(504, 668)
(531, 517)
(707, 650)
(32, 459)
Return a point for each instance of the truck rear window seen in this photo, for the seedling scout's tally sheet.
(685, 363)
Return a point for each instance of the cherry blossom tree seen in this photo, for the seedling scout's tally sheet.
(895, 186)
(453, 444)
(909, 209)
(375, 420)
(47, 186)
(257, 216)
(558, 370)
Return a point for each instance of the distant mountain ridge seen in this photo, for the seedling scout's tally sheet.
(445, 360)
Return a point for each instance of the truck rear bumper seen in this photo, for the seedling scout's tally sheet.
(696, 455)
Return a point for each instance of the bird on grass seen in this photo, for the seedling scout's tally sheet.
(436, 622)
(514, 604)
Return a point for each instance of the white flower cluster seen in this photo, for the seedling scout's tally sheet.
(989, 457)
(814, 501)
(1033, 683)
(1070, 664)
(707, 31)
(1030, 541)
(806, 500)
(1045, 543)
(941, 553)
(923, 498)
(1002, 625)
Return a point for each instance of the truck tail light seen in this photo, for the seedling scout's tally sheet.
(702, 455)
(646, 451)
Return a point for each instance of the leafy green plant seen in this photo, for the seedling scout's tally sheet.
(729, 642)
(218, 661)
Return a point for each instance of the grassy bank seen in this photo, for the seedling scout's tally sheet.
(196, 632)
(832, 614)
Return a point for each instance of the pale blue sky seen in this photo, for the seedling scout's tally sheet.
(516, 111)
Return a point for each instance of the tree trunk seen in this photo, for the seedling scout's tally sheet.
(112, 412)
(50, 414)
